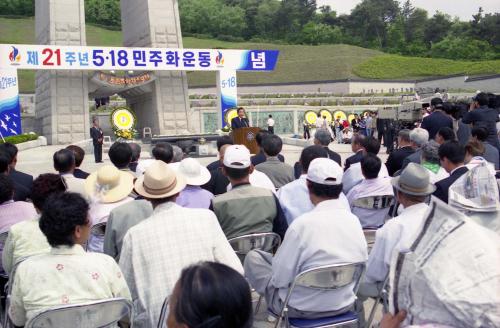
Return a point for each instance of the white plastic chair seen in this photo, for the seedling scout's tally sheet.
(106, 140)
(102, 313)
(370, 234)
(147, 132)
(324, 278)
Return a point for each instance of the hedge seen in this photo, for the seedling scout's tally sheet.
(20, 138)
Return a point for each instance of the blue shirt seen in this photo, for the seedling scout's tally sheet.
(194, 197)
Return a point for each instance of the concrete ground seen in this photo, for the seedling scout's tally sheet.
(39, 160)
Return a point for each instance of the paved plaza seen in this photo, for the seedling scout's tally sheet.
(39, 160)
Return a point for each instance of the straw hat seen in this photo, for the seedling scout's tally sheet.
(193, 171)
(159, 181)
(414, 180)
(109, 184)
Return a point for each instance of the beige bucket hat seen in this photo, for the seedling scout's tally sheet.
(159, 181)
(109, 185)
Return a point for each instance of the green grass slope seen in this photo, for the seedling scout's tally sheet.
(297, 63)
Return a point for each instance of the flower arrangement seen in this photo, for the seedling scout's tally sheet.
(123, 121)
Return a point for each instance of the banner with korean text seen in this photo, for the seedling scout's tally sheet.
(10, 109)
(120, 58)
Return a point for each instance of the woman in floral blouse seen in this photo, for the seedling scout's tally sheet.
(67, 275)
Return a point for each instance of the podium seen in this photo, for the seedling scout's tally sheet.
(246, 136)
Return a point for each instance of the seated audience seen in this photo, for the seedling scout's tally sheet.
(294, 196)
(490, 152)
(279, 173)
(395, 160)
(25, 238)
(329, 234)
(79, 156)
(353, 175)
(178, 154)
(437, 119)
(185, 236)
(162, 151)
(474, 151)
(108, 188)
(445, 134)
(12, 212)
(69, 274)
(357, 149)
(22, 182)
(261, 157)
(120, 154)
(224, 140)
(412, 189)
(218, 181)
(321, 138)
(64, 163)
(120, 220)
(368, 199)
(246, 209)
(210, 294)
(452, 157)
(430, 161)
(418, 137)
(193, 196)
(136, 155)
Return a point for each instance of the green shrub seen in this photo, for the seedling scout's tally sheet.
(20, 138)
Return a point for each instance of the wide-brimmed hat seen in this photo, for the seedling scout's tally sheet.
(109, 185)
(414, 180)
(194, 173)
(159, 181)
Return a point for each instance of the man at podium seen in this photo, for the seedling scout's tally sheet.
(241, 121)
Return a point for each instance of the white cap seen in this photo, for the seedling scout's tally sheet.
(325, 171)
(237, 157)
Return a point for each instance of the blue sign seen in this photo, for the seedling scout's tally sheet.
(10, 108)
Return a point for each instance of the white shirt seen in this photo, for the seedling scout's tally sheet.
(270, 122)
(329, 234)
(395, 236)
(258, 179)
(155, 251)
(143, 165)
(353, 176)
(319, 122)
(368, 188)
(294, 199)
(74, 184)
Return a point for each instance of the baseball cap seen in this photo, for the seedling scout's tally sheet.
(237, 157)
(325, 171)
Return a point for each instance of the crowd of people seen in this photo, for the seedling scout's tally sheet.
(166, 223)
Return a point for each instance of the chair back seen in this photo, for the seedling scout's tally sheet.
(98, 229)
(96, 314)
(147, 132)
(266, 241)
(330, 277)
(374, 202)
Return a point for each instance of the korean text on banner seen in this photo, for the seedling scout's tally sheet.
(51, 57)
(10, 109)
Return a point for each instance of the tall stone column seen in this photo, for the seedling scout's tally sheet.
(61, 110)
(156, 23)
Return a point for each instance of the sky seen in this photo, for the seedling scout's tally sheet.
(464, 9)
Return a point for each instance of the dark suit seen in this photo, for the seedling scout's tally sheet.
(356, 158)
(237, 123)
(96, 134)
(218, 182)
(442, 186)
(395, 161)
(261, 158)
(80, 174)
(484, 117)
(436, 121)
(213, 166)
(133, 166)
(413, 158)
(22, 184)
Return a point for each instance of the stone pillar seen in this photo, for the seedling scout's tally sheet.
(61, 110)
(156, 23)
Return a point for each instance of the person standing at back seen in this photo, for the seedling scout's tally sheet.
(480, 115)
(97, 139)
(437, 119)
(270, 124)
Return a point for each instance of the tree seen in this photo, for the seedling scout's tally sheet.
(437, 28)
(319, 33)
(462, 48)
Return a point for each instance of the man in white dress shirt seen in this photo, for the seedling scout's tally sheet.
(412, 189)
(270, 124)
(155, 251)
(369, 199)
(329, 234)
